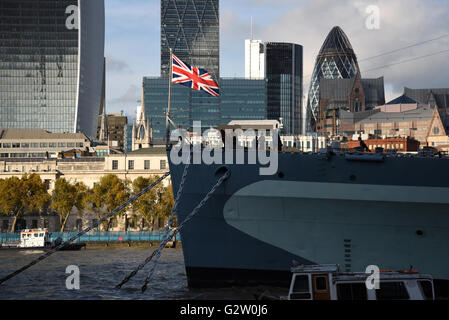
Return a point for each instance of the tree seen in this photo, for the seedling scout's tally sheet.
(165, 203)
(19, 196)
(145, 205)
(156, 203)
(65, 197)
(110, 192)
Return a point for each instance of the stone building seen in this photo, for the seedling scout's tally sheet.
(111, 129)
(402, 117)
(353, 95)
(34, 144)
(88, 170)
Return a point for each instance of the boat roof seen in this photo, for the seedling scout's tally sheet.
(357, 276)
(34, 230)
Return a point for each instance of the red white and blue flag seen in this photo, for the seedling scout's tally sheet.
(195, 78)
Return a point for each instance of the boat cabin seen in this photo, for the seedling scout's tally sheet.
(326, 282)
(34, 238)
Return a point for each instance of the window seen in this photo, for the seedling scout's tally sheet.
(436, 130)
(301, 288)
(70, 145)
(321, 283)
(131, 165)
(426, 289)
(52, 144)
(34, 224)
(44, 145)
(147, 165)
(114, 164)
(351, 291)
(163, 165)
(61, 144)
(392, 291)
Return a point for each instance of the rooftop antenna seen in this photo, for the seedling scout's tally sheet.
(252, 28)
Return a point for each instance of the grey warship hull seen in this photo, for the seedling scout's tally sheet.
(392, 212)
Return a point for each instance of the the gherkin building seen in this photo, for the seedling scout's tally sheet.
(336, 60)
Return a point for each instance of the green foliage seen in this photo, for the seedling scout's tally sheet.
(155, 204)
(29, 194)
(21, 196)
(65, 197)
(109, 193)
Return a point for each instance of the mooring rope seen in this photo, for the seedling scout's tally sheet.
(156, 254)
(80, 234)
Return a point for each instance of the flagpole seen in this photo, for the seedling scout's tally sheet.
(169, 98)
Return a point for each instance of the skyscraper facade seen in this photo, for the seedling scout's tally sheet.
(191, 29)
(336, 60)
(51, 64)
(284, 73)
(241, 99)
(254, 59)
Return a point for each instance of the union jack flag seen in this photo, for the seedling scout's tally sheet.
(195, 78)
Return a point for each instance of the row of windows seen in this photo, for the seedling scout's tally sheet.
(147, 165)
(42, 145)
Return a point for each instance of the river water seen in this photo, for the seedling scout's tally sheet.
(101, 269)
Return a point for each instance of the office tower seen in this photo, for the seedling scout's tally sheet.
(51, 65)
(191, 29)
(336, 60)
(284, 72)
(254, 59)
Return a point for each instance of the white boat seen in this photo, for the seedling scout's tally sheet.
(326, 282)
(38, 239)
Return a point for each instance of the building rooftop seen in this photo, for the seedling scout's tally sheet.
(403, 100)
(435, 97)
(340, 89)
(145, 151)
(11, 134)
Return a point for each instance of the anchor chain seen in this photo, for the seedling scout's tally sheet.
(156, 254)
(80, 234)
(167, 229)
(186, 220)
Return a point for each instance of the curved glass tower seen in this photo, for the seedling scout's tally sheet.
(51, 64)
(336, 60)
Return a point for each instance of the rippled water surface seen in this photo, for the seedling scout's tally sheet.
(101, 270)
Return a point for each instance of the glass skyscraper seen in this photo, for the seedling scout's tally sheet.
(241, 99)
(51, 64)
(336, 60)
(191, 29)
(284, 72)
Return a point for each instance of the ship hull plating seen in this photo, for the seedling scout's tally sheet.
(316, 210)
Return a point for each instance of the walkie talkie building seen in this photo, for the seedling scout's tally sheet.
(51, 64)
(336, 60)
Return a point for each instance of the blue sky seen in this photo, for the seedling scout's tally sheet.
(133, 39)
